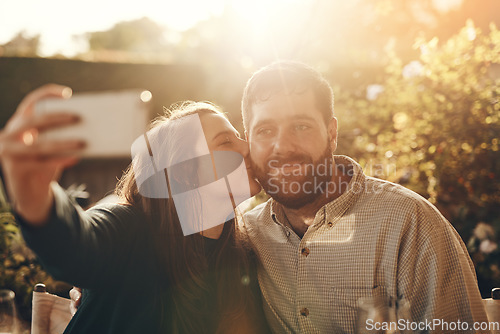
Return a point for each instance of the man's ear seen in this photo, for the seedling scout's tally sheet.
(332, 133)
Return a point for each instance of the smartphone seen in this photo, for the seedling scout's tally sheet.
(110, 120)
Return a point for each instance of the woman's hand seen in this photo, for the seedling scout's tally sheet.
(29, 163)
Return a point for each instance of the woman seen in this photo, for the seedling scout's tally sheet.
(151, 264)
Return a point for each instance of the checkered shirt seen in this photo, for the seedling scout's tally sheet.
(377, 238)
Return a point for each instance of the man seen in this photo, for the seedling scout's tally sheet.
(330, 235)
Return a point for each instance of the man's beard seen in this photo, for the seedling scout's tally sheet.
(295, 191)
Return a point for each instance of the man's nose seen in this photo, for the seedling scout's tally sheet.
(284, 142)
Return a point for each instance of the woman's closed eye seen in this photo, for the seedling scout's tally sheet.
(228, 140)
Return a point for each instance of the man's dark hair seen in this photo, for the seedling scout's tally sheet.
(289, 77)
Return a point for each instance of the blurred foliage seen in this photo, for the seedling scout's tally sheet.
(433, 126)
(322, 33)
(485, 253)
(137, 35)
(137, 41)
(19, 268)
(21, 46)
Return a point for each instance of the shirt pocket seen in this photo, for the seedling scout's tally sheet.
(345, 304)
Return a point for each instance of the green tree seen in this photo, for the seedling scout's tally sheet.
(436, 123)
(21, 46)
(20, 270)
(141, 35)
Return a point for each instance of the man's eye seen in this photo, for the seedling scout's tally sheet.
(302, 127)
(264, 132)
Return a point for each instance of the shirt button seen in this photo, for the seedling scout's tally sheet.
(330, 224)
(304, 312)
(305, 251)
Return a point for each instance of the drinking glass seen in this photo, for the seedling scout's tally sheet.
(8, 314)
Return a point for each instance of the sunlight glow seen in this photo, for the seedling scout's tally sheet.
(59, 23)
(261, 13)
(62, 27)
(447, 5)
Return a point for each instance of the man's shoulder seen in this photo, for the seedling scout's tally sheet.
(259, 212)
(378, 190)
(389, 190)
(403, 201)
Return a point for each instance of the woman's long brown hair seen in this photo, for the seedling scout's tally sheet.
(183, 265)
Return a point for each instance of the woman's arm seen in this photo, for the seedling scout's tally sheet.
(93, 248)
(75, 246)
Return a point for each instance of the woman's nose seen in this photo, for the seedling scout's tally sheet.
(243, 148)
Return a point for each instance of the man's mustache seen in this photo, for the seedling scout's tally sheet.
(290, 160)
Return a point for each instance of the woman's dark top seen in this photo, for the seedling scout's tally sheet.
(109, 252)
